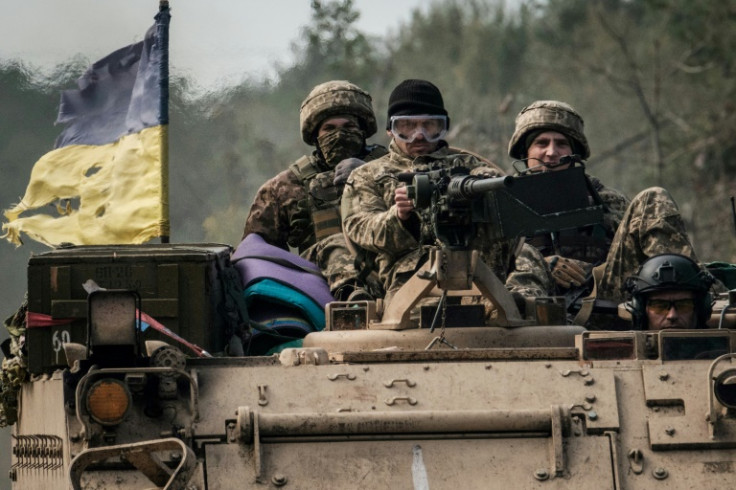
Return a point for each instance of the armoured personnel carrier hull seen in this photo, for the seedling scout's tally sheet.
(362, 404)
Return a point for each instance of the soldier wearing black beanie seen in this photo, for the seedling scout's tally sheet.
(415, 97)
(379, 217)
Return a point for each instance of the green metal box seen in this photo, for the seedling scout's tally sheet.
(180, 285)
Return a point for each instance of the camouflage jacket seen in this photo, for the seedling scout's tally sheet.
(589, 243)
(286, 206)
(14, 367)
(371, 221)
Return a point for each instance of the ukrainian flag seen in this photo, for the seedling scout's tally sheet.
(108, 172)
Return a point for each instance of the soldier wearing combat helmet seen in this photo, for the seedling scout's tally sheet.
(546, 131)
(670, 291)
(300, 207)
(631, 231)
(548, 116)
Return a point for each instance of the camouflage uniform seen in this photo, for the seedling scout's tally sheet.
(589, 244)
(631, 232)
(370, 220)
(14, 368)
(300, 207)
(652, 225)
(283, 213)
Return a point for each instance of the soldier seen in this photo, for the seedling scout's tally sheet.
(300, 207)
(631, 232)
(670, 291)
(378, 214)
(546, 131)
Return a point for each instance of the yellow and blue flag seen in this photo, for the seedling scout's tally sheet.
(107, 174)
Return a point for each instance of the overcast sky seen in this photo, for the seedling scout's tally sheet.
(214, 41)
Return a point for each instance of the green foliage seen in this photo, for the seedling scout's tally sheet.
(29, 108)
(669, 72)
(654, 79)
(333, 48)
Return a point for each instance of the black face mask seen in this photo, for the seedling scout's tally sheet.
(339, 144)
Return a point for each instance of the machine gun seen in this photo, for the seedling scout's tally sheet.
(465, 207)
(453, 196)
(506, 207)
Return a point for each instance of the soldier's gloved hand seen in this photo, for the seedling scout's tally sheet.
(343, 169)
(485, 172)
(568, 273)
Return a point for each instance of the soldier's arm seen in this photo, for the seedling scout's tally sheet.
(371, 218)
(616, 204)
(268, 214)
(531, 275)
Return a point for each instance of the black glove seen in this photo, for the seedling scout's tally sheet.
(343, 169)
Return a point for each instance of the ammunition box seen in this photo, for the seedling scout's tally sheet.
(180, 286)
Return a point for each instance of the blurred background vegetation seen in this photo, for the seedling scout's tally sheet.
(653, 79)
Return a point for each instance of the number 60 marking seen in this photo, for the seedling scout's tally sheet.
(60, 338)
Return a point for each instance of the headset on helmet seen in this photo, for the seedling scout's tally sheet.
(549, 115)
(334, 98)
(667, 272)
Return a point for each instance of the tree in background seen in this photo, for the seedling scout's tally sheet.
(332, 48)
(29, 107)
(473, 51)
(256, 128)
(654, 81)
(661, 75)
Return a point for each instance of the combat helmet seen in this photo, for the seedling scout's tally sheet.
(667, 272)
(333, 98)
(550, 115)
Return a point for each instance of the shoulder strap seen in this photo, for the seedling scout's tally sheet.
(595, 185)
(374, 152)
(305, 168)
(588, 303)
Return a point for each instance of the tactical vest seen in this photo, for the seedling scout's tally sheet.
(321, 207)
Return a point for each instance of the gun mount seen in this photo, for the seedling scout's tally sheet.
(468, 212)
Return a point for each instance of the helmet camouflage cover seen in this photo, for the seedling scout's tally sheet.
(334, 98)
(550, 115)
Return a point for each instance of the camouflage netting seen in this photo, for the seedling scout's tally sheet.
(14, 369)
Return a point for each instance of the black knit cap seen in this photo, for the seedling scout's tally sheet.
(415, 97)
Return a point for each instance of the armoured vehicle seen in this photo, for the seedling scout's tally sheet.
(142, 376)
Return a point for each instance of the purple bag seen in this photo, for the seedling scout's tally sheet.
(256, 260)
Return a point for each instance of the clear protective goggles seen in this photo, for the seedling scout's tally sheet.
(407, 128)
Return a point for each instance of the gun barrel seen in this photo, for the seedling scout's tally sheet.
(469, 187)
